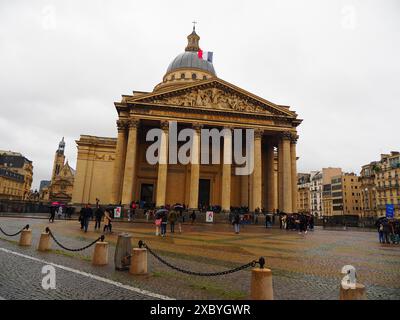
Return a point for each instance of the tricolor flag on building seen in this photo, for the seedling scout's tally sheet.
(205, 55)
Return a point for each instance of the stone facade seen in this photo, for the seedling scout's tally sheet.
(304, 193)
(380, 185)
(116, 170)
(11, 186)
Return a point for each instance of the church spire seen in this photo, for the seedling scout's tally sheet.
(193, 40)
(61, 146)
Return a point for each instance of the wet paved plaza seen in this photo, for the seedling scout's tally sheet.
(303, 266)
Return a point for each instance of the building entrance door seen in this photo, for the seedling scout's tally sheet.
(146, 192)
(204, 192)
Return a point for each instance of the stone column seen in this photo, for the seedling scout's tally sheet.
(195, 169)
(294, 171)
(286, 173)
(130, 162)
(280, 175)
(244, 192)
(162, 166)
(226, 171)
(270, 183)
(257, 172)
(119, 162)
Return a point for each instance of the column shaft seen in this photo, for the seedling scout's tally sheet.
(119, 163)
(130, 163)
(280, 175)
(195, 170)
(226, 171)
(257, 173)
(270, 185)
(162, 167)
(294, 174)
(287, 175)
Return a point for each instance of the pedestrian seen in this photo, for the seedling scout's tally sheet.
(180, 219)
(81, 218)
(172, 217)
(157, 222)
(164, 221)
(386, 230)
(88, 214)
(380, 232)
(98, 215)
(236, 222)
(60, 212)
(193, 216)
(107, 220)
(132, 210)
(311, 222)
(52, 213)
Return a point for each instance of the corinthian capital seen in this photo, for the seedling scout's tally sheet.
(164, 125)
(133, 123)
(258, 133)
(293, 138)
(197, 127)
(286, 135)
(121, 124)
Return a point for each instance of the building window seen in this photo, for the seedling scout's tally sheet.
(204, 77)
(182, 76)
(194, 76)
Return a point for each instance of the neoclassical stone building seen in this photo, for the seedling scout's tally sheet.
(116, 170)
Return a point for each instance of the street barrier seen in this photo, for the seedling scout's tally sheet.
(25, 239)
(100, 254)
(44, 242)
(261, 283)
(356, 293)
(138, 261)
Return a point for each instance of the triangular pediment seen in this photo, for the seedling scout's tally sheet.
(213, 94)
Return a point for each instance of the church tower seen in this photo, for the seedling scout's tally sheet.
(59, 160)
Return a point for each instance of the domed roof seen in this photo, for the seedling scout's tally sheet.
(189, 59)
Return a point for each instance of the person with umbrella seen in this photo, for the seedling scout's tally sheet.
(163, 214)
(53, 211)
(180, 218)
(172, 217)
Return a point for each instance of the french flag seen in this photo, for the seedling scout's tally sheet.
(205, 55)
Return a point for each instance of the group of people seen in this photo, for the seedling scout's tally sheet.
(86, 214)
(172, 215)
(60, 210)
(388, 231)
(298, 221)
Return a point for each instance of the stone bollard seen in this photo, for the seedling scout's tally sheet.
(123, 250)
(261, 283)
(44, 242)
(26, 237)
(357, 293)
(100, 254)
(138, 261)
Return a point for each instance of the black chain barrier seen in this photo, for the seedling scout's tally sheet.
(14, 234)
(253, 263)
(101, 238)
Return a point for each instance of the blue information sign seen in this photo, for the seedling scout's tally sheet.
(390, 211)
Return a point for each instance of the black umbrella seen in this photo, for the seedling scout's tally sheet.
(161, 211)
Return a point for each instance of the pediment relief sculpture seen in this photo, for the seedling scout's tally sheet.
(211, 98)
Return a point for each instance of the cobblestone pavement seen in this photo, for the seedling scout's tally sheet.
(303, 266)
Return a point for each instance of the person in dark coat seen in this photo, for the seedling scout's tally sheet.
(98, 215)
(386, 230)
(52, 213)
(87, 215)
(236, 222)
(164, 221)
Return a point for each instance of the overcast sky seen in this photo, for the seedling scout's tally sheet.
(337, 63)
